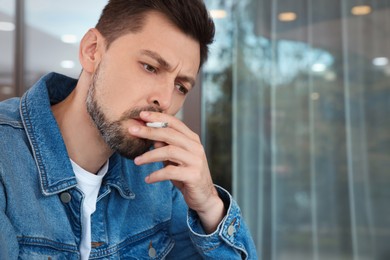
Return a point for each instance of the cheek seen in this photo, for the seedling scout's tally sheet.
(113, 98)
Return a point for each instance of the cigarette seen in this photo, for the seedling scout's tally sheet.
(157, 124)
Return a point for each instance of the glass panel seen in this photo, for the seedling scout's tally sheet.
(7, 49)
(308, 84)
(217, 95)
(54, 30)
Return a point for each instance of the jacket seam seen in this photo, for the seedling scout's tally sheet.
(13, 123)
(29, 131)
(38, 241)
(133, 239)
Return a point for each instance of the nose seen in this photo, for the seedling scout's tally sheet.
(162, 96)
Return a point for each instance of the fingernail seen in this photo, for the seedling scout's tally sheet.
(137, 160)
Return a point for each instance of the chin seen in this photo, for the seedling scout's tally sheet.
(132, 148)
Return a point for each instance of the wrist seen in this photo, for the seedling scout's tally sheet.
(212, 214)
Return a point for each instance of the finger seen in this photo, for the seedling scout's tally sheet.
(169, 153)
(165, 135)
(172, 121)
(169, 173)
(181, 178)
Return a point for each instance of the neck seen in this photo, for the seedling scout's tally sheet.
(83, 141)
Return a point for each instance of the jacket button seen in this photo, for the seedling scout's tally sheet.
(152, 252)
(231, 230)
(65, 197)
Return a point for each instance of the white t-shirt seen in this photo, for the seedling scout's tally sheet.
(89, 184)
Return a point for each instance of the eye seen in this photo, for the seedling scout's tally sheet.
(181, 88)
(149, 68)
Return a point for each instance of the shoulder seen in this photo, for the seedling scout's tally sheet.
(10, 113)
(13, 139)
(11, 126)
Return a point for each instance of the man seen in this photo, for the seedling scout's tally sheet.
(83, 176)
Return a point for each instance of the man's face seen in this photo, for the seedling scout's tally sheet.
(149, 70)
(113, 132)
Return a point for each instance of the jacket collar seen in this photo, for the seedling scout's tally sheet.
(48, 147)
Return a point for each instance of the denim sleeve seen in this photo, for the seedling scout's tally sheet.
(231, 240)
(9, 247)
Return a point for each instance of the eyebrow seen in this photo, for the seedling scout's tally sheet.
(166, 66)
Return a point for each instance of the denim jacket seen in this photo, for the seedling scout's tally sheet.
(40, 205)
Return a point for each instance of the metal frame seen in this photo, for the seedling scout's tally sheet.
(19, 65)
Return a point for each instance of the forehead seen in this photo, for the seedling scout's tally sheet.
(160, 35)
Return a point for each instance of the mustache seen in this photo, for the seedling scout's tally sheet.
(135, 113)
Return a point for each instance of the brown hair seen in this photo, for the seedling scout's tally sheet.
(190, 16)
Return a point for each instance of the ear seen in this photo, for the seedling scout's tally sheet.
(91, 50)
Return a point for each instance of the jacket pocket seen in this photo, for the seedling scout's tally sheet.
(33, 248)
(155, 243)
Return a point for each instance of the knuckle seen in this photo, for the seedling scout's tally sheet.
(196, 137)
(199, 150)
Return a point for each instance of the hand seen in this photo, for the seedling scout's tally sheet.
(185, 165)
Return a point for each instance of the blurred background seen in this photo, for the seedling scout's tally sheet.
(292, 106)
